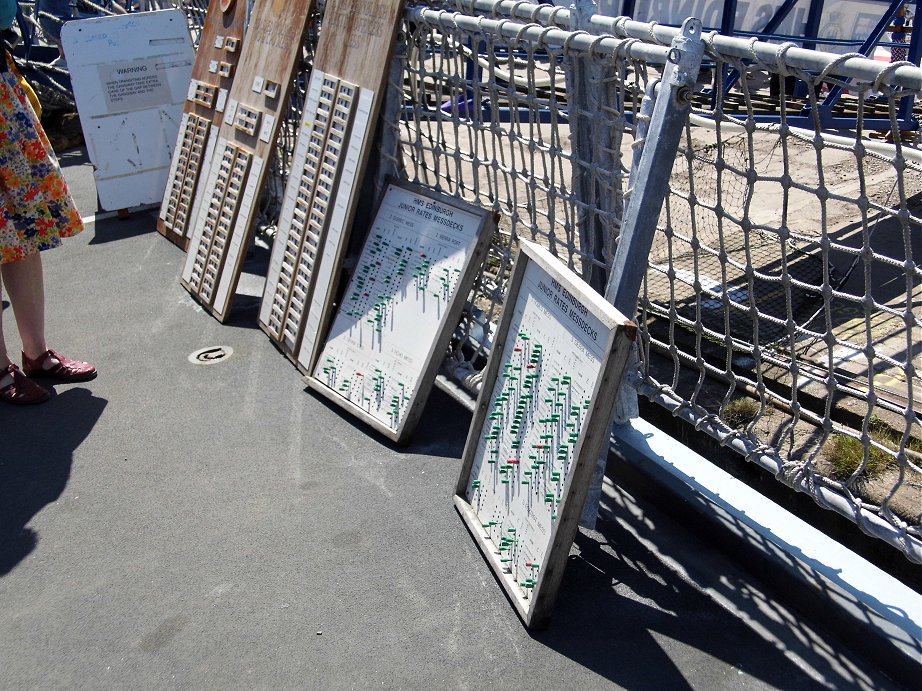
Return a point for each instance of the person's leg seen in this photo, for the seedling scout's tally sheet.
(25, 285)
(15, 387)
(4, 356)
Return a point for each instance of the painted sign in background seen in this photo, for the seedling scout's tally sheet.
(847, 20)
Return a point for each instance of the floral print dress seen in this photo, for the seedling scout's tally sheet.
(38, 209)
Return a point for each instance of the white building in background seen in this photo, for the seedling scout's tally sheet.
(846, 20)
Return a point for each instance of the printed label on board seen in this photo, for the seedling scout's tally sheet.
(136, 85)
(265, 134)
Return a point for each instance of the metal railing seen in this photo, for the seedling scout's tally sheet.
(780, 311)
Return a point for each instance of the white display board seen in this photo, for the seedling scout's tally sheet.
(130, 74)
(541, 422)
(401, 306)
(312, 220)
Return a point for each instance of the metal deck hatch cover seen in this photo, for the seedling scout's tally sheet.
(211, 355)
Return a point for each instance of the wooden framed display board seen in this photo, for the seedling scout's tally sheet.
(401, 306)
(216, 61)
(340, 112)
(256, 108)
(541, 421)
(130, 74)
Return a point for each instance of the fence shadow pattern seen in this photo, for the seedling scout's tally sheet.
(781, 308)
(780, 312)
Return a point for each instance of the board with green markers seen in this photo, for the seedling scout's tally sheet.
(540, 424)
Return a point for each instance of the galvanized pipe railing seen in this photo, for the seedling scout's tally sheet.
(788, 54)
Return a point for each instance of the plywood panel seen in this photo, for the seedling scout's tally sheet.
(357, 40)
(541, 421)
(213, 74)
(401, 307)
(350, 68)
(256, 107)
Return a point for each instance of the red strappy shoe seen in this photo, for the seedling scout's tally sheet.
(22, 390)
(63, 370)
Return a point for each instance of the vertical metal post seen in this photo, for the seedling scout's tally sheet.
(728, 18)
(650, 175)
(650, 178)
(580, 99)
(391, 111)
(814, 17)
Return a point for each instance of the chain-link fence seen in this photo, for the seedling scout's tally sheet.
(781, 307)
